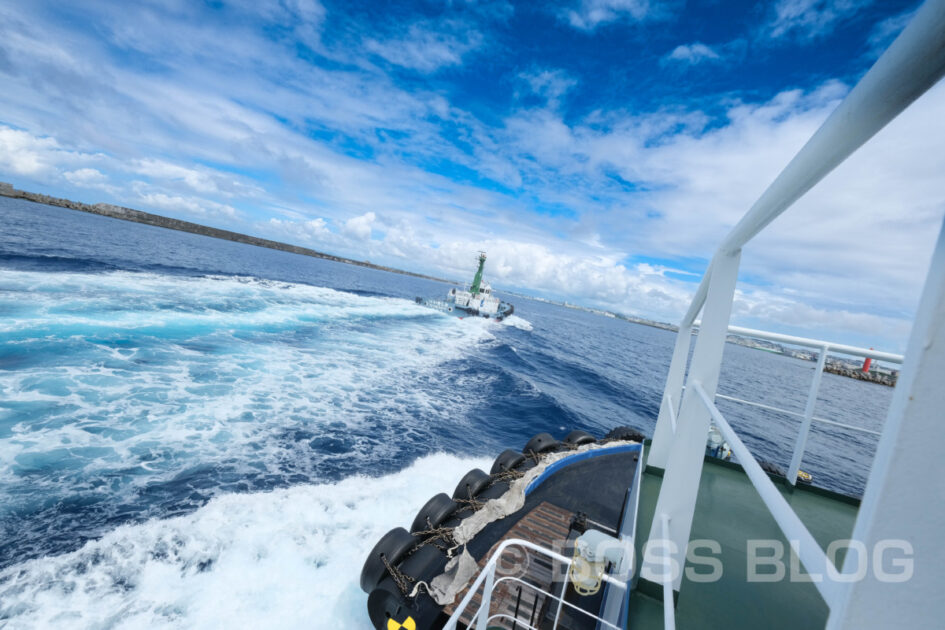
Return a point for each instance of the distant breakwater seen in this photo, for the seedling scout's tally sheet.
(860, 375)
(139, 216)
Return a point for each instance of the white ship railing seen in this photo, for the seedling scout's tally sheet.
(612, 609)
(900, 501)
(807, 416)
(487, 582)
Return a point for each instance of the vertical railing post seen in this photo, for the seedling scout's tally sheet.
(801, 442)
(482, 623)
(677, 498)
(672, 394)
(669, 604)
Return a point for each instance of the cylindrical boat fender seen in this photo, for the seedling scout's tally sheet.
(507, 460)
(578, 437)
(394, 545)
(625, 433)
(388, 602)
(540, 443)
(472, 483)
(434, 512)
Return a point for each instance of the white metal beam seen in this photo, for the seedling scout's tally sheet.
(680, 487)
(801, 442)
(669, 406)
(905, 495)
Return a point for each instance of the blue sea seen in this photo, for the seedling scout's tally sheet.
(198, 433)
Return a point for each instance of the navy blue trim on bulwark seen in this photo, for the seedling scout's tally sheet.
(578, 457)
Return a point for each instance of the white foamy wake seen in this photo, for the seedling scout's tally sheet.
(144, 376)
(517, 322)
(284, 559)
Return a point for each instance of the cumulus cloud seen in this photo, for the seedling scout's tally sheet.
(22, 153)
(692, 54)
(360, 227)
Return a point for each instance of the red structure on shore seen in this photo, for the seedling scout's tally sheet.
(866, 363)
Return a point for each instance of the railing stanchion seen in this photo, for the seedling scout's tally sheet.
(666, 422)
(669, 610)
(483, 623)
(680, 486)
(801, 443)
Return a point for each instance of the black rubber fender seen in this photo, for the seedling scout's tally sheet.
(393, 545)
(540, 443)
(507, 460)
(625, 433)
(386, 601)
(578, 437)
(472, 483)
(424, 564)
(436, 510)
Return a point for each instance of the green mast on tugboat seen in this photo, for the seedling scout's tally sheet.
(478, 301)
(477, 280)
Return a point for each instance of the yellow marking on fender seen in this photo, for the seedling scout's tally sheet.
(406, 624)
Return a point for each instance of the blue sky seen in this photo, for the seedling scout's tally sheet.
(597, 149)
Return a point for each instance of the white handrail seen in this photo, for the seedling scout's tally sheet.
(808, 550)
(816, 343)
(561, 600)
(487, 577)
(752, 403)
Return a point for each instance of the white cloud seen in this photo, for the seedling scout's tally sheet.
(22, 153)
(201, 180)
(426, 48)
(589, 14)
(549, 84)
(693, 54)
(808, 19)
(177, 205)
(360, 227)
(87, 178)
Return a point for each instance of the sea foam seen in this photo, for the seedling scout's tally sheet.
(289, 558)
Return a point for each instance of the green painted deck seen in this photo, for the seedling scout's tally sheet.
(730, 511)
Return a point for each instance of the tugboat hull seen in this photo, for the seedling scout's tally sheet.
(560, 490)
(505, 309)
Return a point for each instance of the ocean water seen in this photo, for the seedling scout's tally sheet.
(197, 433)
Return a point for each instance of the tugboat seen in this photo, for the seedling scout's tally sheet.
(478, 301)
